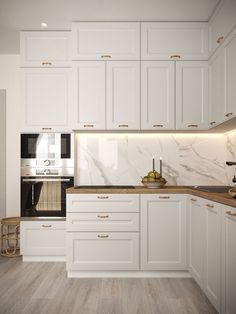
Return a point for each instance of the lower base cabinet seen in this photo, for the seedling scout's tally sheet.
(102, 251)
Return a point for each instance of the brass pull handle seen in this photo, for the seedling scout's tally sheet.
(123, 125)
(193, 126)
(88, 125)
(230, 213)
(158, 125)
(213, 122)
(103, 216)
(210, 206)
(164, 197)
(46, 128)
(193, 199)
(220, 39)
(228, 114)
(46, 63)
(103, 197)
(46, 226)
(105, 56)
(175, 56)
(103, 236)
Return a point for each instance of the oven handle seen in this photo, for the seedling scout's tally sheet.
(46, 180)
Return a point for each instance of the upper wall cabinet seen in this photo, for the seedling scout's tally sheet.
(221, 23)
(174, 41)
(45, 49)
(105, 41)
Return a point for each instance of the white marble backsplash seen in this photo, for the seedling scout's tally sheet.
(188, 159)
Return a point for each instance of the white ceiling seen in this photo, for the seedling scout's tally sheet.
(17, 15)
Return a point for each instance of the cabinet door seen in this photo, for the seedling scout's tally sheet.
(196, 239)
(230, 75)
(43, 238)
(45, 49)
(216, 88)
(45, 97)
(192, 95)
(228, 260)
(106, 41)
(212, 252)
(169, 41)
(123, 95)
(163, 232)
(157, 95)
(102, 251)
(89, 81)
(221, 23)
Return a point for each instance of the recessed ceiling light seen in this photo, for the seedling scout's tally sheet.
(43, 24)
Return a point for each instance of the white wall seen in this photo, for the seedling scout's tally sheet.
(9, 80)
(3, 153)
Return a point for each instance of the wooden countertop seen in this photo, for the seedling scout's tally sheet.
(223, 198)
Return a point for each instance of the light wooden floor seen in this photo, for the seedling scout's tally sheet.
(44, 288)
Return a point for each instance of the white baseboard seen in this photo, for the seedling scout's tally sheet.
(42, 258)
(128, 274)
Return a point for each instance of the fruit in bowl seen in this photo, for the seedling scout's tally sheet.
(153, 180)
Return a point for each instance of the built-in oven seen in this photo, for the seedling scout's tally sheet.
(44, 195)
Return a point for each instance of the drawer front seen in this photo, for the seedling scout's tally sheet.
(102, 251)
(102, 222)
(103, 203)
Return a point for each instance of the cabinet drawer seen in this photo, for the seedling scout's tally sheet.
(102, 222)
(102, 251)
(102, 203)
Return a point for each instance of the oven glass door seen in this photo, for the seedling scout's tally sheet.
(42, 196)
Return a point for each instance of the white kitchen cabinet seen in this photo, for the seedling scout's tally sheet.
(196, 232)
(43, 240)
(229, 48)
(221, 23)
(45, 48)
(216, 88)
(174, 41)
(123, 95)
(228, 260)
(212, 261)
(89, 92)
(163, 232)
(157, 95)
(46, 99)
(102, 251)
(105, 41)
(192, 95)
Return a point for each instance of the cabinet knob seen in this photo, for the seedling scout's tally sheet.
(46, 63)
(210, 206)
(229, 114)
(106, 56)
(46, 129)
(103, 197)
(158, 125)
(103, 216)
(164, 197)
(46, 226)
(123, 125)
(213, 122)
(175, 56)
(88, 125)
(103, 236)
(193, 126)
(193, 199)
(230, 213)
(219, 40)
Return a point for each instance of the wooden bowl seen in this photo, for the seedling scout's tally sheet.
(232, 192)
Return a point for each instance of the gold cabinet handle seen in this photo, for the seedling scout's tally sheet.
(210, 206)
(103, 216)
(106, 56)
(164, 197)
(213, 122)
(46, 226)
(219, 40)
(228, 114)
(158, 125)
(175, 56)
(193, 199)
(193, 126)
(230, 213)
(46, 129)
(46, 63)
(103, 236)
(88, 125)
(123, 125)
(103, 197)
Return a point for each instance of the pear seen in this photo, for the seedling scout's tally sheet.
(145, 179)
(151, 174)
(151, 179)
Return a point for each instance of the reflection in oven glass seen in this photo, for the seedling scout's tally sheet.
(50, 197)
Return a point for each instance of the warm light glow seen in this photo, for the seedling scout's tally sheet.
(43, 24)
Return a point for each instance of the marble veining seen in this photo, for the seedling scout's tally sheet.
(188, 159)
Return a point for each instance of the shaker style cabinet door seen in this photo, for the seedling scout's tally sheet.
(45, 99)
(192, 95)
(123, 95)
(45, 49)
(105, 41)
(157, 95)
(89, 82)
(174, 41)
(163, 232)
